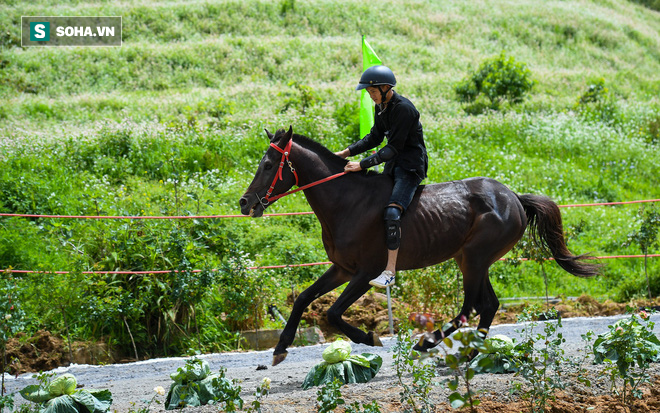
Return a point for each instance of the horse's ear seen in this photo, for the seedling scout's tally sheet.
(284, 140)
(270, 135)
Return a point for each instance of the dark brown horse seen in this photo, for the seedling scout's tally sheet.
(474, 221)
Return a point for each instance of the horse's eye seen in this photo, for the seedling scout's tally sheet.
(268, 165)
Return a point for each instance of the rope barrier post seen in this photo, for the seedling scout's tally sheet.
(389, 310)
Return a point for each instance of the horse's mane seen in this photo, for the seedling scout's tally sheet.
(322, 151)
(313, 146)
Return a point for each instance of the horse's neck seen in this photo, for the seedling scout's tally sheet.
(333, 198)
(312, 167)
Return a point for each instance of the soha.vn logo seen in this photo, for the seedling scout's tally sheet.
(71, 30)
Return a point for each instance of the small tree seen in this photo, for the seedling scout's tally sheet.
(499, 78)
(415, 391)
(539, 359)
(646, 237)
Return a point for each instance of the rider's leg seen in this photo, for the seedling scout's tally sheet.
(405, 185)
(392, 217)
(393, 223)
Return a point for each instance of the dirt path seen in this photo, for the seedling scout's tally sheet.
(134, 382)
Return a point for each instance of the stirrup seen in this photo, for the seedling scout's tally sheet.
(384, 280)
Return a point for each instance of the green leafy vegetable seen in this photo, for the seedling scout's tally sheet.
(338, 363)
(499, 343)
(500, 352)
(195, 385)
(65, 384)
(338, 351)
(61, 396)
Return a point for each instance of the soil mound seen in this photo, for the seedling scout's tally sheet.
(41, 352)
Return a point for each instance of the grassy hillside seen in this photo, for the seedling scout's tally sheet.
(172, 123)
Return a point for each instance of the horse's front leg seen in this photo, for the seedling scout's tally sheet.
(330, 280)
(358, 286)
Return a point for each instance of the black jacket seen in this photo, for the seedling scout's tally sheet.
(399, 122)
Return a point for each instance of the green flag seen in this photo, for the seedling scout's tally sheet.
(369, 59)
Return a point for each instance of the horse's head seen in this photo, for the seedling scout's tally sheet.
(274, 175)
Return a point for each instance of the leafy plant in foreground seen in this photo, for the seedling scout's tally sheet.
(540, 366)
(7, 402)
(61, 396)
(470, 341)
(627, 350)
(416, 394)
(355, 407)
(262, 391)
(195, 385)
(329, 397)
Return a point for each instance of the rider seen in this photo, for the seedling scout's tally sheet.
(405, 156)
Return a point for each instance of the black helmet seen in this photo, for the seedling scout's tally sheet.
(376, 75)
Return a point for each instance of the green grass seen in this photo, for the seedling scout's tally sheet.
(172, 123)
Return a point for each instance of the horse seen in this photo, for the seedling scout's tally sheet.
(474, 221)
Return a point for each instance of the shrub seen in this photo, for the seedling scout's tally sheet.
(416, 390)
(596, 92)
(470, 341)
(539, 365)
(499, 78)
(347, 117)
(646, 237)
(651, 4)
(627, 350)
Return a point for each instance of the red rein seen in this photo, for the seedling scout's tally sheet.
(278, 175)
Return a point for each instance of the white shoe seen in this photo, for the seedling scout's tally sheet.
(384, 280)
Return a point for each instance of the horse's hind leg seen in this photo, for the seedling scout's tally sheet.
(479, 297)
(487, 306)
(355, 289)
(330, 280)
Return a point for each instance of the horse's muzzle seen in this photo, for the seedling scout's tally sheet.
(251, 206)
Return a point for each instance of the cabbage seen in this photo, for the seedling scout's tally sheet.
(499, 343)
(500, 355)
(194, 370)
(195, 385)
(65, 384)
(61, 396)
(338, 351)
(338, 363)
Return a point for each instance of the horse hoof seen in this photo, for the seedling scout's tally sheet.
(375, 339)
(426, 342)
(278, 358)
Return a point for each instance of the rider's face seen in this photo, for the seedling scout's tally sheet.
(375, 94)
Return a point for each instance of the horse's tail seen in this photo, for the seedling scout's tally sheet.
(545, 224)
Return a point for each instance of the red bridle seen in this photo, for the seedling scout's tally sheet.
(278, 176)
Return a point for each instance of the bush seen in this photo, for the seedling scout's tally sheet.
(627, 350)
(499, 78)
(597, 103)
(347, 117)
(651, 4)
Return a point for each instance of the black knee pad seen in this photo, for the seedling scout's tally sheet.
(392, 217)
